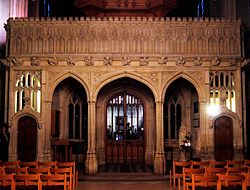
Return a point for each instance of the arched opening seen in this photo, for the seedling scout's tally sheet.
(181, 107)
(69, 115)
(223, 138)
(126, 123)
(27, 139)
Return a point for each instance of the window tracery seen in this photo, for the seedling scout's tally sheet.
(28, 86)
(222, 83)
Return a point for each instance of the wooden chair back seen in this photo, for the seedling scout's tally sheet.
(12, 164)
(54, 180)
(232, 180)
(212, 171)
(68, 172)
(178, 172)
(6, 179)
(235, 163)
(26, 180)
(187, 175)
(43, 170)
(217, 164)
(16, 170)
(236, 171)
(74, 171)
(46, 164)
(204, 181)
(199, 164)
(28, 164)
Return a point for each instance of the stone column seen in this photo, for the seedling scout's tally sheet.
(91, 164)
(159, 162)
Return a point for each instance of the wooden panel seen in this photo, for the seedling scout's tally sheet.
(120, 152)
(223, 138)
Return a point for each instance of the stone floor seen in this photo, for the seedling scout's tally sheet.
(118, 178)
(123, 185)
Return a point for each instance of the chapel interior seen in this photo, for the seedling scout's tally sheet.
(125, 82)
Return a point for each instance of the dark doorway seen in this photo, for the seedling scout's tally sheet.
(223, 138)
(27, 139)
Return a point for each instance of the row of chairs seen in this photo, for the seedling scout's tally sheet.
(207, 168)
(39, 181)
(48, 168)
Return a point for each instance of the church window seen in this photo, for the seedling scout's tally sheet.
(125, 117)
(75, 111)
(28, 88)
(174, 116)
(222, 86)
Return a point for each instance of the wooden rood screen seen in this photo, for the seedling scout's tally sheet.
(125, 130)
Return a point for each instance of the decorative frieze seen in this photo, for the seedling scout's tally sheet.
(124, 36)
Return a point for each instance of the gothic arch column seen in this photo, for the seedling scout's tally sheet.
(91, 164)
(159, 162)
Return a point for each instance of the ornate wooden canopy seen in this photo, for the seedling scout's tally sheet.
(101, 8)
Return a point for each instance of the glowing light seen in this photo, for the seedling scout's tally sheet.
(213, 110)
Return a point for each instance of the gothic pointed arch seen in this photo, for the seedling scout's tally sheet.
(56, 80)
(126, 74)
(126, 122)
(181, 108)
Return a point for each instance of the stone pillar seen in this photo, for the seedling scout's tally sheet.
(44, 138)
(91, 163)
(159, 162)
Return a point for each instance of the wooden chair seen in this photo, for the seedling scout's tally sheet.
(69, 175)
(177, 173)
(199, 164)
(187, 176)
(13, 164)
(211, 171)
(74, 171)
(16, 170)
(232, 180)
(26, 180)
(204, 181)
(2, 169)
(46, 164)
(6, 180)
(246, 163)
(54, 180)
(43, 170)
(28, 164)
(217, 164)
(236, 171)
(235, 163)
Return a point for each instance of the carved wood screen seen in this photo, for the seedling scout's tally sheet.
(125, 129)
